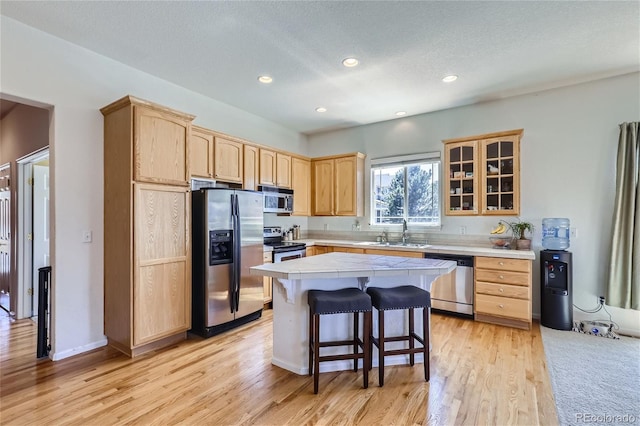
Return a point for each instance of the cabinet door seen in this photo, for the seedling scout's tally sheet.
(251, 167)
(160, 147)
(267, 281)
(347, 189)
(301, 185)
(500, 163)
(201, 154)
(322, 187)
(461, 178)
(267, 167)
(283, 170)
(162, 262)
(228, 160)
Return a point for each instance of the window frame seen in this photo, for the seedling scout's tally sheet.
(406, 161)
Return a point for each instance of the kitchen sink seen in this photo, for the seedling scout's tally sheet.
(392, 244)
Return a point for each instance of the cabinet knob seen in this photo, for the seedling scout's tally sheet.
(501, 306)
(501, 263)
(501, 290)
(501, 277)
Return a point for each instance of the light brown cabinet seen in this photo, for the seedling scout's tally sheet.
(338, 185)
(201, 153)
(503, 291)
(268, 167)
(388, 252)
(482, 174)
(251, 167)
(275, 168)
(228, 160)
(147, 255)
(283, 170)
(301, 185)
(267, 282)
(159, 146)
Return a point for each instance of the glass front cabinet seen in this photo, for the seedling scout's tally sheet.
(482, 174)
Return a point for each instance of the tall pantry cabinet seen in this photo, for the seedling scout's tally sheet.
(147, 249)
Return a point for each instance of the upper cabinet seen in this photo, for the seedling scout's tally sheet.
(228, 160)
(338, 185)
(283, 170)
(275, 168)
(201, 153)
(160, 145)
(251, 167)
(301, 185)
(482, 174)
(267, 167)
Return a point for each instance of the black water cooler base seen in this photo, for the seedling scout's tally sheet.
(556, 292)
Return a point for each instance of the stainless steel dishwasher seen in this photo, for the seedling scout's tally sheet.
(453, 292)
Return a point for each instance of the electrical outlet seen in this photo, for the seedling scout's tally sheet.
(601, 300)
(574, 233)
(463, 230)
(87, 236)
(326, 226)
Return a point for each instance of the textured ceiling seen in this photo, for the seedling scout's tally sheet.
(498, 49)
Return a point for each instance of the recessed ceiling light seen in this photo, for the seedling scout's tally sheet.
(321, 109)
(350, 62)
(265, 79)
(401, 113)
(450, 78)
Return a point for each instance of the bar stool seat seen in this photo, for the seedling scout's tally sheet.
(328, 302)
(403, 297)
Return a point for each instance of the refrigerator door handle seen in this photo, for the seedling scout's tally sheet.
(238, 248)
(234, 277)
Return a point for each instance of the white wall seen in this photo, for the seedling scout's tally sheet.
(568, 155)
(77, 82)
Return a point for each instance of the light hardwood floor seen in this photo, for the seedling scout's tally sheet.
(480, 374)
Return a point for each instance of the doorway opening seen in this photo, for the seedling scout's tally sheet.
(33, 228)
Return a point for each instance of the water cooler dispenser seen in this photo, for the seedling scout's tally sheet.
(556, 292)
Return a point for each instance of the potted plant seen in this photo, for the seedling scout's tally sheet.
(519, 230)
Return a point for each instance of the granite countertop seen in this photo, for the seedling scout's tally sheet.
(347, 265)
(468, 250)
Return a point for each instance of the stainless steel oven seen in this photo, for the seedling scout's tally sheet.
(281, 256)
(283, 250)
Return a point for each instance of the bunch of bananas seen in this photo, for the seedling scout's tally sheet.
(500, 229)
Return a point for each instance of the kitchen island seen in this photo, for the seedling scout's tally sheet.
(333, 271)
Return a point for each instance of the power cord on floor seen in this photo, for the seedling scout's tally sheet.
(598, 309)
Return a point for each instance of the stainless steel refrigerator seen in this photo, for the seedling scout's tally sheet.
(227, 240)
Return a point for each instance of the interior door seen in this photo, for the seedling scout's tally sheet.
(40, 226)
(5, 237)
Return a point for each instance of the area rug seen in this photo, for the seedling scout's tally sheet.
(595, 380)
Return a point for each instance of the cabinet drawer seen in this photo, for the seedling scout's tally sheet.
(502, 277)
(518, 292)
(503, 307)
(503, 264)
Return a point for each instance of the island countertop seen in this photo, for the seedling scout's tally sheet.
(351, 265)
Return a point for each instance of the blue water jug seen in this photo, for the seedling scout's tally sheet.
(555, 233)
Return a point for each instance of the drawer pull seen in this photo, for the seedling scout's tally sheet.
(501, 290)
(501, 263)
(501, 306)
(501, 277)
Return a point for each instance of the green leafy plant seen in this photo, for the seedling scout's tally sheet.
(520, 228)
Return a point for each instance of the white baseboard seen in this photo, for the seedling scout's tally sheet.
(57, 356)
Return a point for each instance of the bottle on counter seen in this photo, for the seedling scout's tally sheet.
(290, 234)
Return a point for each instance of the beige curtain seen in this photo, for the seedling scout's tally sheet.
(623, 290)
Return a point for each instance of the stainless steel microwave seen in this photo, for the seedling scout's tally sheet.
(277, 200)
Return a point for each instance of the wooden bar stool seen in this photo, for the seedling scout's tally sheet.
(403, 297)
(348, 300)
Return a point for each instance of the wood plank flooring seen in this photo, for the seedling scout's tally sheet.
(480, 374)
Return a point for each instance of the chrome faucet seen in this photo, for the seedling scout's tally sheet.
(404, 231)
